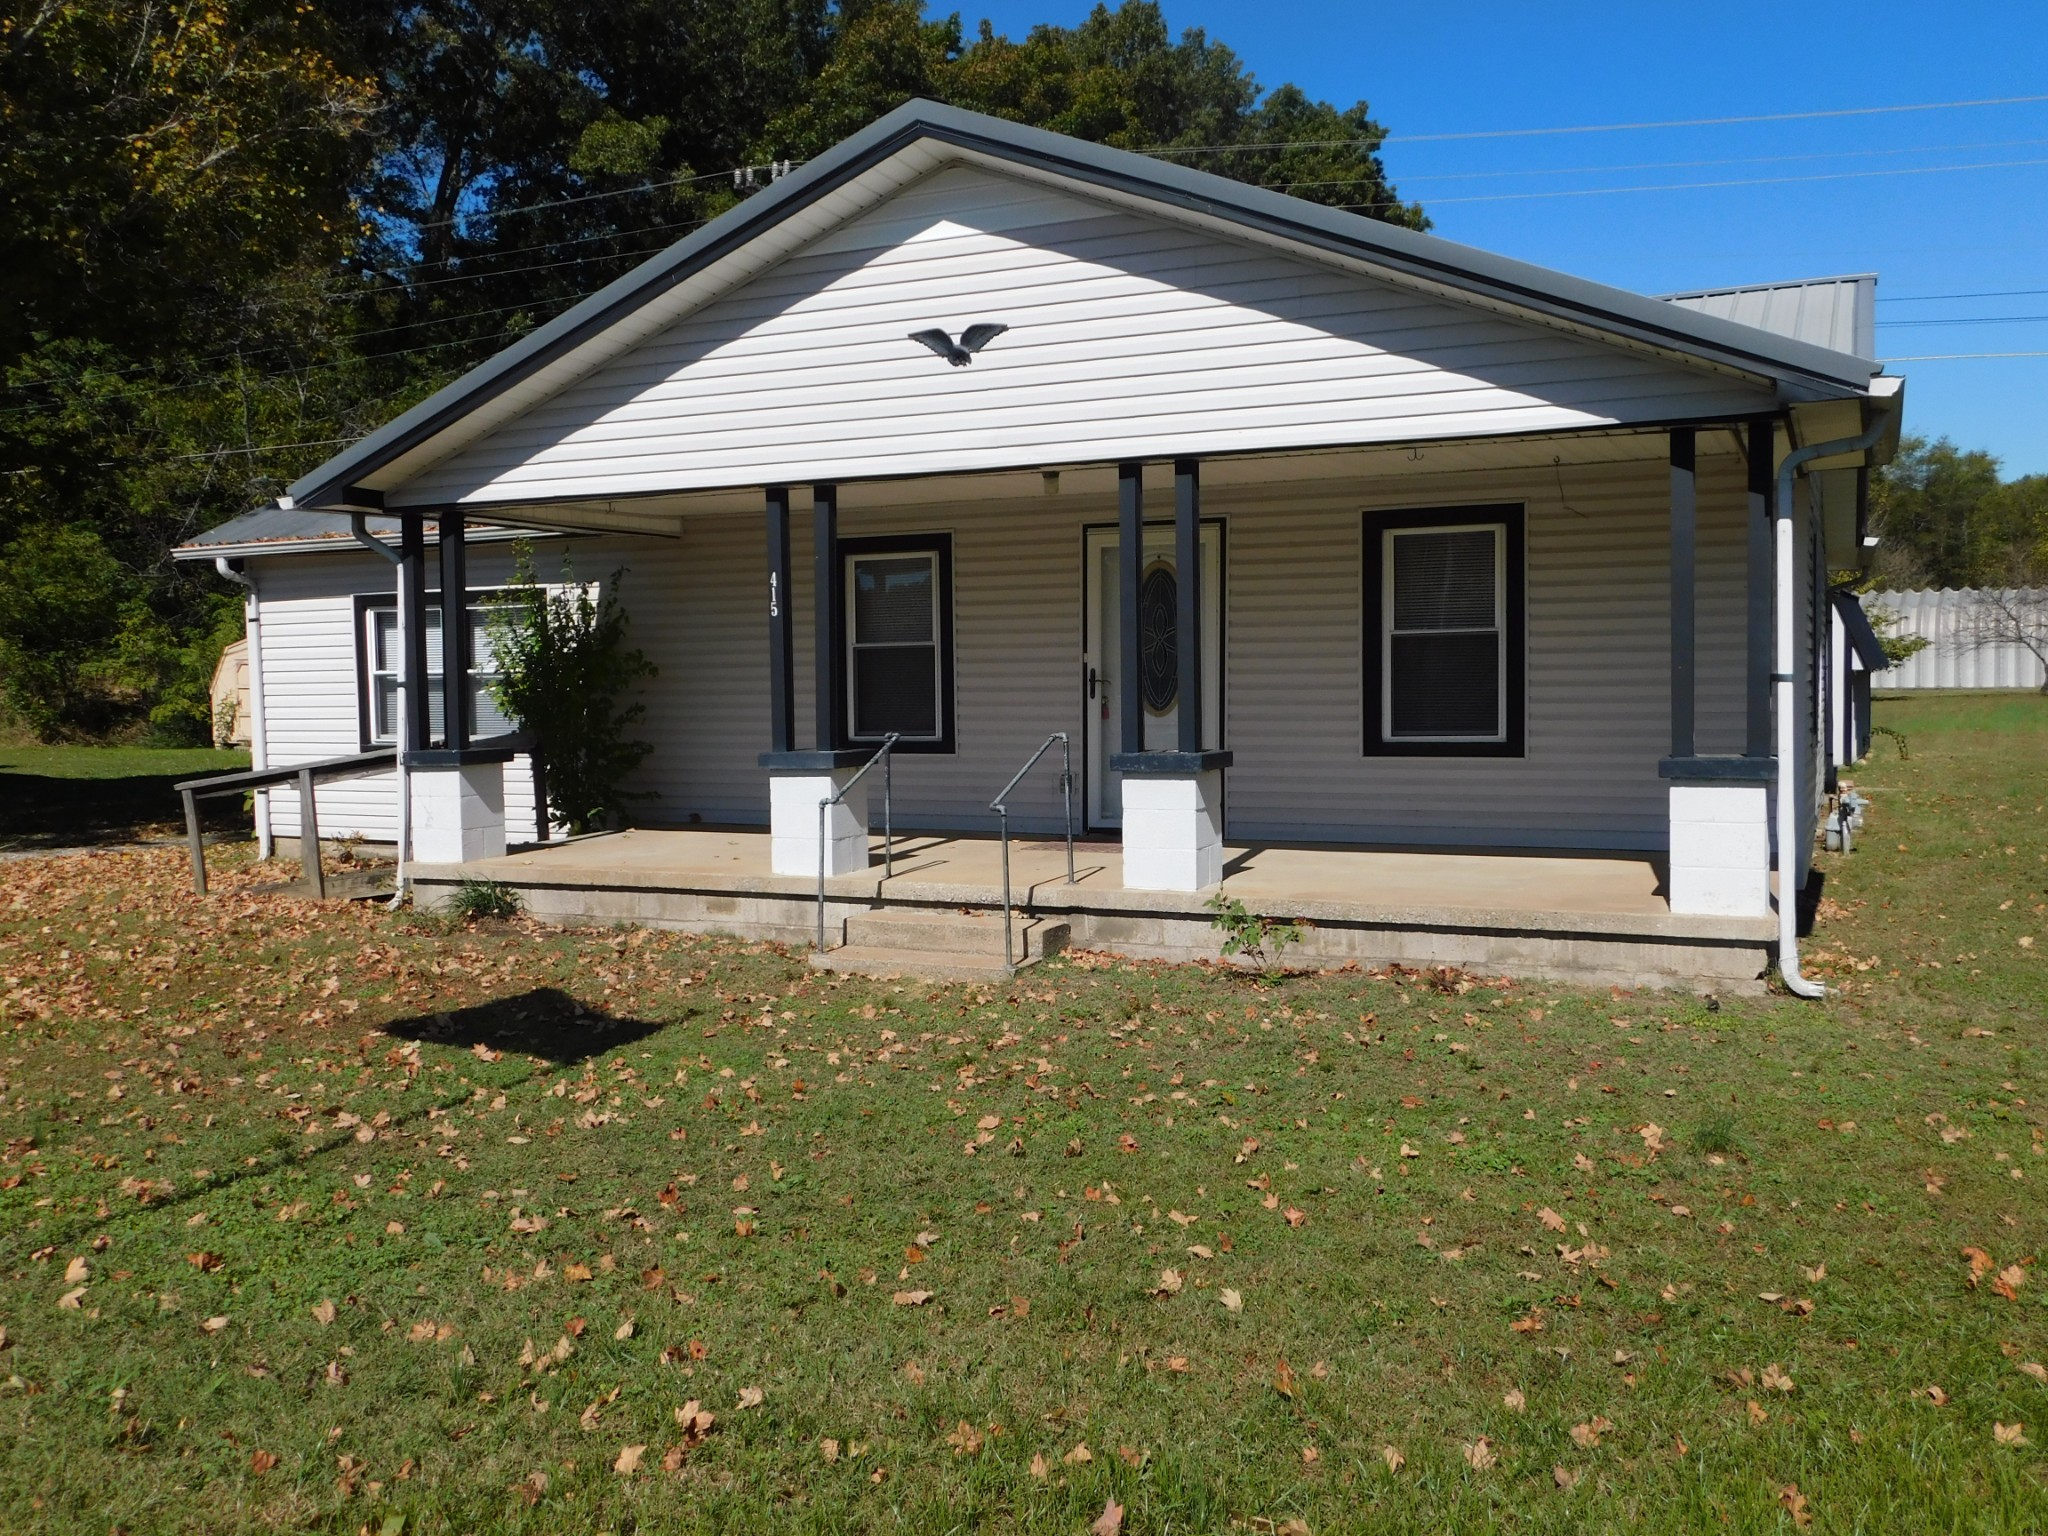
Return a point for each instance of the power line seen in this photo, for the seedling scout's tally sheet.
(243, 380)
(546, 245)
(1526, 133)
(222, 453)
(1956, 357)
(1972, 320)
(776, 170)
(1692, 186)
(1989, 293)
(1663, 165)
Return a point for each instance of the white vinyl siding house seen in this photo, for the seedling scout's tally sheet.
(1316, 532)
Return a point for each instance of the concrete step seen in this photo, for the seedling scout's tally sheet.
(955, 932)
(923, 964)
(940, 946)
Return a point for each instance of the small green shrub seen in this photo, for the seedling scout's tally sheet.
(1258, 938)
(483, 898)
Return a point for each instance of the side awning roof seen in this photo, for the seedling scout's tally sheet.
(1863, 641)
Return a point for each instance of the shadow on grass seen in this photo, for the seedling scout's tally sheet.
(545, 1022)
(46, 811)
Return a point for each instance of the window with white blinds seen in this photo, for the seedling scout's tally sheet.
(1443, 628)
(383, 663)
(897, 662)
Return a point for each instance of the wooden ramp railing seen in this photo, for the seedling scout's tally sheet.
(305, 776)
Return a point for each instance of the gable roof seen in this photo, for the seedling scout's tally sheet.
(922, 135)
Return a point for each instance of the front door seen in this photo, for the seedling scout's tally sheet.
(1157, 675)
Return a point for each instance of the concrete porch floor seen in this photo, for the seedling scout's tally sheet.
(1593, 916)
(1264, 877)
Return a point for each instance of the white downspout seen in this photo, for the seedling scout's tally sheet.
(403, 842)
(1787, 717)
(259, 741)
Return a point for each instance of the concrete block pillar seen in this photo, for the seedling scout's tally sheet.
(793, 796)
(458, 812)
(1721, 849)
(1173, 830)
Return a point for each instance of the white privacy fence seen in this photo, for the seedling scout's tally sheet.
(1947, 620)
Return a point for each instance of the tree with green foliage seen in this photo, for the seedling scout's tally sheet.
(1945, 518)
(564, 673)
(1118, 78)
(176, 187)
(239, 235)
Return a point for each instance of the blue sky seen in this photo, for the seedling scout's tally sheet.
(1446, 68)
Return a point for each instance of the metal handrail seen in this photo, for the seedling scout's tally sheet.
(887, 760)
(1003, 812)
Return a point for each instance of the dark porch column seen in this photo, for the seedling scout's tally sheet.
(781, 672)
(454, 633)
(1130, 563)
(1684, 563)
(829, 623)
(412, 569)
(1757, 674)
(1187, 545)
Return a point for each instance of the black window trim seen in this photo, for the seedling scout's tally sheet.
(1376, 524)
(940, 546)
(365, 604)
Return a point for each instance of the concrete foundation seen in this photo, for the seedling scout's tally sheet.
(1589, 919)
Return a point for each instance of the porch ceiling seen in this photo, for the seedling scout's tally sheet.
(663, 515)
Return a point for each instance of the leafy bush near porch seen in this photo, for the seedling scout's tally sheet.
(316, 1218)
(565, 673)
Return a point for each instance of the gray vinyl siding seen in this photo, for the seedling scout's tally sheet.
(1130, 336)
(311, 698)
(1597, 678)
(1598, 660)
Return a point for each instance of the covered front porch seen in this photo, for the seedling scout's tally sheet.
(1246, 723)
(1594, 917)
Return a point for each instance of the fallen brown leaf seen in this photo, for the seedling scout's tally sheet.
(965, 1439)
(1109, 1522)
(1795, 1505)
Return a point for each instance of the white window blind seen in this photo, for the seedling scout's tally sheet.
(1443, 650)
(381, 651)
(893, 639)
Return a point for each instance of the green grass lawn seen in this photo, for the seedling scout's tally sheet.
(90, 762)
(321, 1218)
